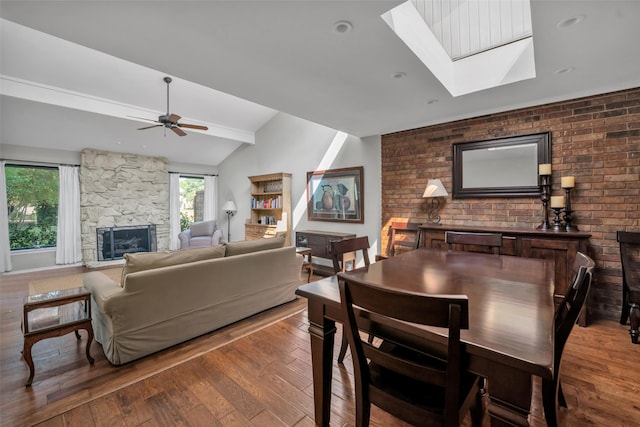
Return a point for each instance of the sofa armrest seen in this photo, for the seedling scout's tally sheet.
(102, 288)
(185, 237)
(216, 239)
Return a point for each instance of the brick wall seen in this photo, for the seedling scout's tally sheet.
(596, 139)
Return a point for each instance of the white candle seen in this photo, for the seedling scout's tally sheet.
(544, 169)
(557, 201)
(568, 181)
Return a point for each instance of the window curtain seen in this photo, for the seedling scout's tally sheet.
(5, 246)
(174, 211)
(69, 243)
(210, 191)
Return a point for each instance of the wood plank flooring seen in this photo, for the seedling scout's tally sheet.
(259, 379)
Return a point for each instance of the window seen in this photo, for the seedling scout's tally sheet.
(191, 200)
(32, 202)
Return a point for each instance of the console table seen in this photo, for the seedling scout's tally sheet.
(319, 243)
(559, 246)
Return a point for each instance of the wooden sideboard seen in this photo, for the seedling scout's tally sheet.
(318, 242)
(559, 246)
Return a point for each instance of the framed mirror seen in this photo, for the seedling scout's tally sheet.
(505, 167)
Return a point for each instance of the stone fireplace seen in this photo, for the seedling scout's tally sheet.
(122, 190)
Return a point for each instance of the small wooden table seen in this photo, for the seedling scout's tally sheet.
(54, 314)
(511, 311)
(307, 264)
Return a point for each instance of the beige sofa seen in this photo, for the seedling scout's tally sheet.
(168, 298)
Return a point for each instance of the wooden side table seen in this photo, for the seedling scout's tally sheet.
(306, 264)
(55, 314)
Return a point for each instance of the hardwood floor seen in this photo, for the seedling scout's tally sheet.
(234, 377)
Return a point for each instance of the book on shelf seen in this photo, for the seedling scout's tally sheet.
(275, 203)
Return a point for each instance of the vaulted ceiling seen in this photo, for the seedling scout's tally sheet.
(72, 72)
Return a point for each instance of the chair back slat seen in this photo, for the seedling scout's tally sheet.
(630, 257)
(493, 241)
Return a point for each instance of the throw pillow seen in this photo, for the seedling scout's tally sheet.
(149, 260)
(247, 246)
(204, 228)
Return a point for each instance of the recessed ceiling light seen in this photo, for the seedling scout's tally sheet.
(569, 22)
(565, 70)
(342, 27)
(399, 75)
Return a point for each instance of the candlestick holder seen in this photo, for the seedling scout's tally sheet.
(545, 183)
(567, 212)
(557, 222)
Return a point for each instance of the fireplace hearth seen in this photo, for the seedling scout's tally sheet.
(114, 242)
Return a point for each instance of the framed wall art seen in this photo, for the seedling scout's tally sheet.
(336, 195)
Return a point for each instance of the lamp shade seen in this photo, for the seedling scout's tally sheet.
(435, 189)
(229, 206)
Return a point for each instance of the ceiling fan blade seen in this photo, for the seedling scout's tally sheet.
(173, 118)
(185, 125)
(149, 127)
(144, 118)
(178, 131)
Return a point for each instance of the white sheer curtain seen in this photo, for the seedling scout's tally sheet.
(5, 247)
(69, 243)
(210, 191)
(174, 211)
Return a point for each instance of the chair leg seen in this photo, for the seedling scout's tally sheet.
(343, 348)
(550, 401)
(477, 410)
(634, 319)
(624, 315)
(561, 400)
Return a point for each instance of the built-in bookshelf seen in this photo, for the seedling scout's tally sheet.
(270, 203)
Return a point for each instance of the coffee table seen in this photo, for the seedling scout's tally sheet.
(54, 314)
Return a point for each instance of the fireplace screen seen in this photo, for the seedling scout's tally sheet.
(114, 242)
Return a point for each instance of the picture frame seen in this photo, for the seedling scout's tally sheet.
(336, 195)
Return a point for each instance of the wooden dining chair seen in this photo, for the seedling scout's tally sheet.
(404, 236)
(340, 248)
(565, 318)
(471, 241)
(414, 386)
(630, 258)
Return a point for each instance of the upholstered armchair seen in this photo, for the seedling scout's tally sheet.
(200, 234)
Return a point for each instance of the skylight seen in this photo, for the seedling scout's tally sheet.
(469, 45)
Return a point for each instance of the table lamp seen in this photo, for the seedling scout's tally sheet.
(434, 191)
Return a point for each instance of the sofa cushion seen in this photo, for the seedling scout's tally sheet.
(149, 260)
(247, 246)
(203, 228)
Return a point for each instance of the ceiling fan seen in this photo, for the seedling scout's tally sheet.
(171, 120)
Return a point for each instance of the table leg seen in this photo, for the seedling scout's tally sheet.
(26, 354)
(322, 332)
(89, 341)
(510, 394)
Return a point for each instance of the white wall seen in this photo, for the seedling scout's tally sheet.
(297, 146)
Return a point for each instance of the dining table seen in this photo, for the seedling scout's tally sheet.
(510, 337)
